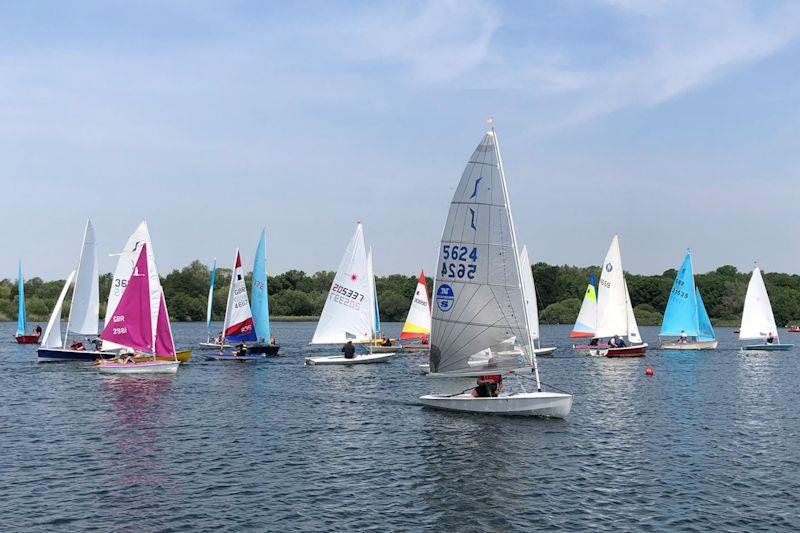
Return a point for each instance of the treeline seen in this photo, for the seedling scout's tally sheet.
(559, 290)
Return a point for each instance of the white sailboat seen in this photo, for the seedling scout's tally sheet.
(349, 312)
(529, 293)
(480, 314)
(84, 312)
(615, 316)
(758, 322)
(137, 321)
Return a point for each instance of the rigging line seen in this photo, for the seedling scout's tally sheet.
(543, 383)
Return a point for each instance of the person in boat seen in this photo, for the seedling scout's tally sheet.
(386, 341)
(770, 338)
(241, 349)
(488, 386)
(683, 338)
(617, 342)
(77, 346)
(594, 342)
(424, 340)
(272, 341)
(218, 339)
(126, 356)
(349, 350)
(38, 331)
(98, 344)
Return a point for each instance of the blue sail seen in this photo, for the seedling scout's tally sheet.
(211, 283)
(681, 312)
(22, 323)
(259, 304)
(706, 331)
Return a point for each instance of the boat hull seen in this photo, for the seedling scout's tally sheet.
(263, 349)
(539, 352)
(793, 330)
(182, 356)
(688, 345)
(768, 347)
(212, 346)
(414, 347)
(357, 360)
(231, 357)
(637, 350)
(386, 349)
(145, 367)
(28, 339)
(544, 404)
(54, 355)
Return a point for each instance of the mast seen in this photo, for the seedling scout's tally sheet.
(516, 253)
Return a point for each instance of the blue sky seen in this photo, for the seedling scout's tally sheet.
(675, 124)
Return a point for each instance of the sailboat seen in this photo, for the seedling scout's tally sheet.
(350, 311)
(614, 310)
(758, 322)
(84, 312)
(137, 321)
(238, 325)
(211, 342)
(529, 293)
(22, 323)
(417, 326)
(586, 323)
(686, 316)
(260, 302)
(480, 317)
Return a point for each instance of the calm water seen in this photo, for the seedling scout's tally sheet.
(710, 441)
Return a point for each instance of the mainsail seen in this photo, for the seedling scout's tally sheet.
(22, 323)
(681, 313)
(138, 252)
(52, 333)
(238, 324)
(586, 323)
(479, 310)
(260, 300)
(84, 313)
(758, 322)
(348, 313)
(418, 321)
(614, 310)
(210, 306)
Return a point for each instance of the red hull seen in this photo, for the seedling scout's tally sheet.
(628, 351)
(27, 339)
(793, 330)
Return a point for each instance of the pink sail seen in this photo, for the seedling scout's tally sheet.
(130, 324)
(164, 343)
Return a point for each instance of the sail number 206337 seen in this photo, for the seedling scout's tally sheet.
(459, 261)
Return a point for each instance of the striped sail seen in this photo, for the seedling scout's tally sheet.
(418, 321)
(238, 324)
(586, 323)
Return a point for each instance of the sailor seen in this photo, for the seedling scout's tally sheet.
(488, 386)
(683, 338)
(38, 331)
(424, 339)
(349, 350)
(272, 341)
(241, 349)
(386, 341)
(770, 338)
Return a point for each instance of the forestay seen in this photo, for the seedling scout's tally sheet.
(348, 314)
(84, 313)
(758, 321)
(479, 310)
(52, 333)
(586, 323)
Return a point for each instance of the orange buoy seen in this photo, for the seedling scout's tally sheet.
(648, 372)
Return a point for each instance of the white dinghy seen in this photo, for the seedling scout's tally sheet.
(480, 323)
(758, 322)
(350, 310)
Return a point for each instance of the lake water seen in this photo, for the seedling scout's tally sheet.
(711, 441)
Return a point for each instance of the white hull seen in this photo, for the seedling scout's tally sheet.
(414, 347)
(357, 360)
(212, 345)
(544, 351)
(160, 367)
(688, 345)
(547, 404)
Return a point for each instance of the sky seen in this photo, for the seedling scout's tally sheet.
(674, 124)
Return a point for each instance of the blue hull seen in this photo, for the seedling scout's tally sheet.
(769, 347)
(54, 355)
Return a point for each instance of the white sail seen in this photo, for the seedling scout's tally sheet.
(238, 323)
(614, 310)
(52, 334)
(479, 309)
(84, 313)
(758, 322)
(529, 292)
(348, 312)
(374, 312)
(127, 260)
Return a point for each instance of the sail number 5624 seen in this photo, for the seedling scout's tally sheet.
(465, 265)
